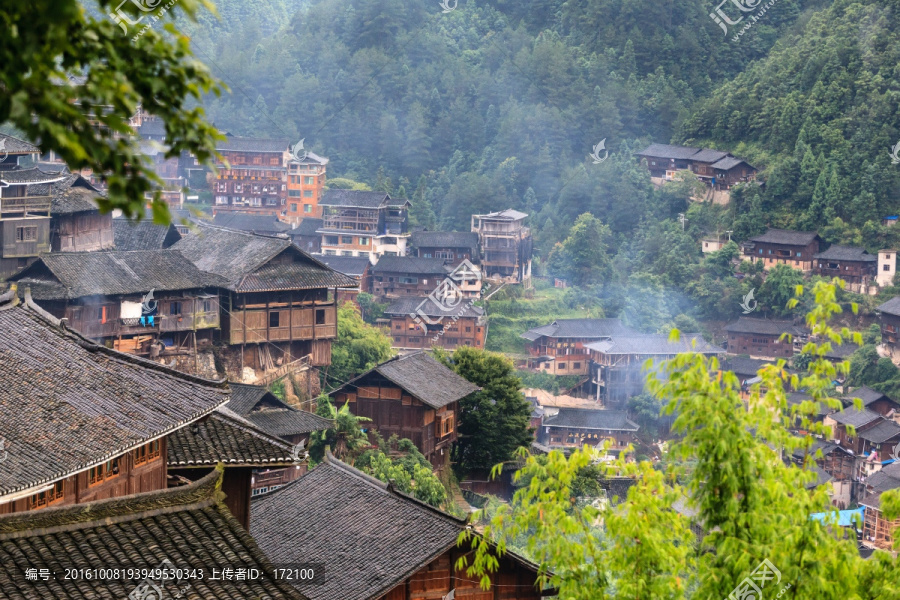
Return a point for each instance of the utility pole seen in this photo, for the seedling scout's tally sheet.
(729, 232)
(682, 219)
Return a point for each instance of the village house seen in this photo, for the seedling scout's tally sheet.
(369, 224)
(505, 245)
(76, 224)
(879, 532)
(306, 235)
(617, 364)
(719, 170)
(418, 322)
(168, 169)
(261, 224)
(795, 249)
(131, 235)
(452, 246)
(872, 441)
(396, 276)
(305, 185)
(887, 267)
(855, 266)
(357, 268)
(761, 338)
(711, 245)
(186, 527)
(414, 555)
(82, 422)
(572, 428)
(412, 396)
(255, 180)
(889, 320)
(154, 303)
(559, 348)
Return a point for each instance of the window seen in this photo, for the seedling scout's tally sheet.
(408, 280)
(886, 268)
(346, 239)
(307, 208)
(363, 241)
(364, 255)
(103, 472)
(294, 206)
(331, 240)
(146, 453)
(47, 497)
(294, 193)
(309, 180)
(206, 306)
(272, 201)
(238, 188)
(562, 366)
(26, 234)
(468, 330)
(175, 307)
(760, 250)
(330, 253)
(346, 253)
(799, 254)
(274, 319)
(576, 365)
(445, 425)
(320, 316)
(101, 314)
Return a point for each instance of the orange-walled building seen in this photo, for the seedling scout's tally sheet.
(305, 185)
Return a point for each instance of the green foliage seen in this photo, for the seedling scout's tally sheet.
(345, 438)
(371, 310)
(410, 472)
(494, 421)
(48, 42)
(646, 411)
(554, 384)
(779, 287)
(583, 258)
(752, 505)
(358, 348)
(343, 183)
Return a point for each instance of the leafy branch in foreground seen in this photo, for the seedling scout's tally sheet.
(750, 504)
(71, 82)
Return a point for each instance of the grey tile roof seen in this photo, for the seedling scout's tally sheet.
(243, 259)
(354, 198)
(579, 328)
(143, 235)
(786, 237)
(31, 176)
(265, 224)
(444, 239)
(69, 404)
(152, 127)
(227, 438)
(422, 377)
(866, 394)
(585, 418)
(847, 253)
(245, 398)
(891, 307)
(744, 366)
(410, 265)
(413, 305)
(707, 155)
(881, 432)
(729, 162)
(505, 215)
(266, 411)
(248, 144)
(352, 266)
(856, 418)
(307, 226)
(842, 351)
(368, 537)
(311, 159)
(80, 274)
(188, 526)
(795, 398)
(762, 326)
(14, 145)
(654, 344)
(73, 194)
(667, 151)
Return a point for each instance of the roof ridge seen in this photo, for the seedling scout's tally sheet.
(200, 494)
(225, 413)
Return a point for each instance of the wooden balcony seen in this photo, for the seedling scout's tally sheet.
(258, 325)
(28, 204)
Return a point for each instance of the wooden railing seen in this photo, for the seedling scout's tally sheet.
(283, 370)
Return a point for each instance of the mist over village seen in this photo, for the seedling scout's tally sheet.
(450, 300)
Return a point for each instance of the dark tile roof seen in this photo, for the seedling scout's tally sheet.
(243, 259)
(265, 224)
(73, 194)
(786, 237)
(655, 344)
(585, 418)
(825, 446)
(891, 307)
(31, 176)
(842, 351)
(413, 305)
(744, 366)
(729, 162)
(579, 328)
(307, 226)
(856, 418)
(667, 151)
(795, 398)
(762, 326)
(143, 235)
(422, 377)
(245, 398)
(881, 432)
(248, 144)
(227, 438)
(14, 145)
(311, 159)
(368, 537)
(352, 266)
(864, 393)
(444, 239)
(354, 198)
(709, 156)
(848, 253)
(152, 127)
(188, 526)
(52, 167)
(410, 265)
(79, 274)
(69, 404)
(504, 215)
(266, 411)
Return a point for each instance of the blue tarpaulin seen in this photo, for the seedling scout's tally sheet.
(844, 517)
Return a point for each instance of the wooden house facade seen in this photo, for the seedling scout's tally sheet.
(878, 531)
(255, 180)
(855, 266)
(796, 249)
(889, 321)
(452, 246)
(359, 223)
(719, 170)
(398, 276)
(416, 548)
(305, 187)
(559, 348)
(505, 245)
(418, 323)
(571, 428)
(412, 396)
(761, 338)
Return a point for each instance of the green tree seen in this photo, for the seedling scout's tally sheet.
(409, 472)
(358, 347)
(779, 288)
(583, 256)
(345, 437)
(494, 421)
(72, 82)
